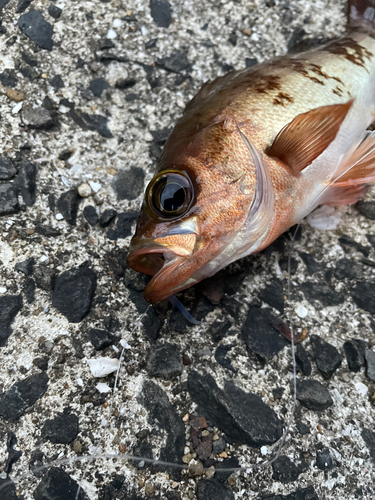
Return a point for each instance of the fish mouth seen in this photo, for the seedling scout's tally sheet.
(159, 262)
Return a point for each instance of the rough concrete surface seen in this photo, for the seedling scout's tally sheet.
(86, 102)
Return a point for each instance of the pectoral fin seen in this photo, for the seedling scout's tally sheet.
(308, 135)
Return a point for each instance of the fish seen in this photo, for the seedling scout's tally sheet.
(256, 151)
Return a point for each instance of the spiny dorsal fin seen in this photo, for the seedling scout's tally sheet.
(308, 135)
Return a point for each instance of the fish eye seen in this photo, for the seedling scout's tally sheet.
(170, 193)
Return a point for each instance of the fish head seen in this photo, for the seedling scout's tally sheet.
(194, 214)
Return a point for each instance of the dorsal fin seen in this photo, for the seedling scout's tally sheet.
(308, 135)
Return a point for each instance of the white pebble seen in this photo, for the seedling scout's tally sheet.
(301, 311)
(95, 186)
(84, 190)
(102, 387)
(124, 344)
(80, 382)
(102, 366)
(64, 109)
(3, 289)
(144, 30)
(264, 450)
(361, 388)
(117, 23)
(76, 169)
(17, 108)
(111, 34)
(59, 216)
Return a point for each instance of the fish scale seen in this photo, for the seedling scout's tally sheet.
(256, 151)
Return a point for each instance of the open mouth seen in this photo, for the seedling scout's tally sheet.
(159, 263)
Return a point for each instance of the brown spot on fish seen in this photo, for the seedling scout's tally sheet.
(267, 84)
(351, 50)
(337, 91)
(283, 99)
(316, 80)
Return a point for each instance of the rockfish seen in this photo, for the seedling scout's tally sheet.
(255, 151)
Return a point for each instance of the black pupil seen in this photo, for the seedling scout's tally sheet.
(172, 197)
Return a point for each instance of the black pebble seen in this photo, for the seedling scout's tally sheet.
(44, 277)
(98, 86)
(302, 428)
(107, 217)
(68, 204)
(161, 12)
(22, 5)
(8, 199)
(219, 329)
(128, 184)
(28, 58)
(124, 226)
(33, 25)
(151, 43)
(346, 268)
(91, 122)
(38, 118)
(222, 358)
(233, 39)
(26, 266)
(312, 266)
(91, 215)
(73, 293)
(105, 43)
(26, 182)
(302, 360)
(164, 361)
(66, 154)
(273, 295)
(47, 231)
(175, 63)
(250, 62)
(321, 292)
(177, 322)
(259, 335)
(101, 339)
(277, 393)
(22, 395)
(364, 296)
(324, 460)
(61, 429)
(243, 416)
(7, 79)
(213, 489)
(327, 357)
(13, 455)
(7, 487)
(57, 82)
(10, 306)
(125, 83)
(7, 169)
(371, 239)
(355, 353)
(41, 363)
(313, 395)
(370, 364)
(164, 414)
(285, 471)
(48, 103)
(346, 241)
(54, 11)
(29, 290)
(56, 484)
(368, 437)
(131, 97)
(366, 208)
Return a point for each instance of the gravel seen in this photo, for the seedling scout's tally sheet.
(63, 276)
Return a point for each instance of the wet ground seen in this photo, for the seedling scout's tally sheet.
(89, 93)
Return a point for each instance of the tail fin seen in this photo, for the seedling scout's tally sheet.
(361, 14)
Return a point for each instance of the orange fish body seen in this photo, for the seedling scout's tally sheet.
(255, 151)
